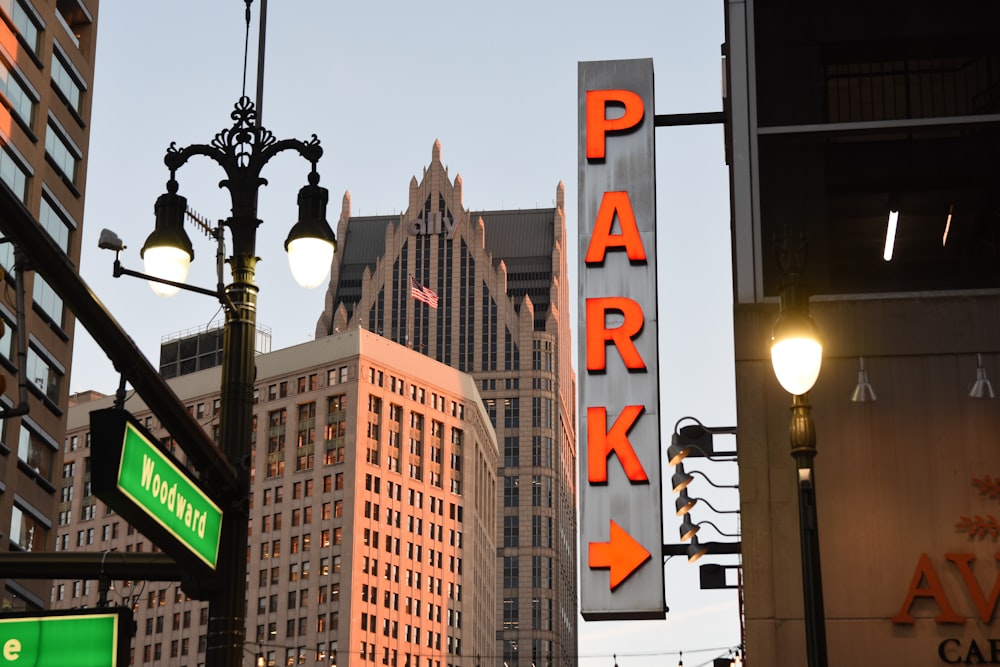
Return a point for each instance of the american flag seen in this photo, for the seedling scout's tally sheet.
(421, 293)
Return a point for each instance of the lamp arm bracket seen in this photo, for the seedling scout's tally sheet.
(718, 486)
(219, 294)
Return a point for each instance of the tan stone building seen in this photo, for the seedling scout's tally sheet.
(499, 283)
(373, 511)
(47, 58)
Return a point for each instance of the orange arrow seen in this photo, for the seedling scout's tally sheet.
(621, 554)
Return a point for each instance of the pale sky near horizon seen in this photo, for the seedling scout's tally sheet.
(379, 83)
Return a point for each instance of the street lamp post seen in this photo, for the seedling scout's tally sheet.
(241, 151)
(796, 355)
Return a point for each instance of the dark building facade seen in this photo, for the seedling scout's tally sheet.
(871, 130)
(501, 285)
(47, 50)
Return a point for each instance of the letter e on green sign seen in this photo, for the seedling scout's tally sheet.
(57, 641)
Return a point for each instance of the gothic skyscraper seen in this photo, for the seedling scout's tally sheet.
(500, 283)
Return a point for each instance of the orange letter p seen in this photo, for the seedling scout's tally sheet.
(598, 124)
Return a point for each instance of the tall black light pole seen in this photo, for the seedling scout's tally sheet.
(241, 151)
(797, 354)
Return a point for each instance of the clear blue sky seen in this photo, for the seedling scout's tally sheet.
(378, 83)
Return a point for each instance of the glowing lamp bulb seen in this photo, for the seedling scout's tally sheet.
(167, 263)
(309, 258)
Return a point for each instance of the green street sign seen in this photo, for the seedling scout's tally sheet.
(152, 490)
(56, 639)
(168, 495)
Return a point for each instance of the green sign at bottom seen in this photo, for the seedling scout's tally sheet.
(68, 638)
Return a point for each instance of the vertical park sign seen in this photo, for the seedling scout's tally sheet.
(621, 516)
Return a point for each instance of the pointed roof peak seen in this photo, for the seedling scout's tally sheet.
(436, 150)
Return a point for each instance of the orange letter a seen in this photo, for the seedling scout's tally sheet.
(933, 589)
(612, 204)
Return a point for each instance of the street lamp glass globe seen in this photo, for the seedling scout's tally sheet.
(797, 362)
(309, 259)
(168, 263)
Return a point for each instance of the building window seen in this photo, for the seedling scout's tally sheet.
(55, 221)
(511, 496)
(36, 453)
(48, 301)
(67, 82)
(510, 616)
(541, 451)
(510, 571)
(541, 572)
(25, 21)
(27, 532)
(43, 375)
(20, 96)
(512, 413)
(510, 531)
(511, 452)
(61, 151)
(14, 173)
(335, 430)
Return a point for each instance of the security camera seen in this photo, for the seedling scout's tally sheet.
(110, 241)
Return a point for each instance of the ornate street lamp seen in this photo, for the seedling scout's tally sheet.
(797, 354)
(241, 151)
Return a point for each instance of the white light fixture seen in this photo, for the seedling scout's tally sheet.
(981, 388)
(947, 225)
(796, 350)
(863, 392)
(890, 236)
(311, 243)
(168, 252)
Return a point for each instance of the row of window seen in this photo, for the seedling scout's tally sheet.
(301, 543)
(541, 652)
(541, 614)
(414, 524)
(541, 451)
(541, 491)
(414, 552)
(412, 607)
(541, 412)
(541, 572)
(369, 593)
(306, 383)
(411, 635)
(414, 497)
(178, 648)
(299, 655)
(392, 657)
(44, 373)
(541, 531)
(417, 394)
